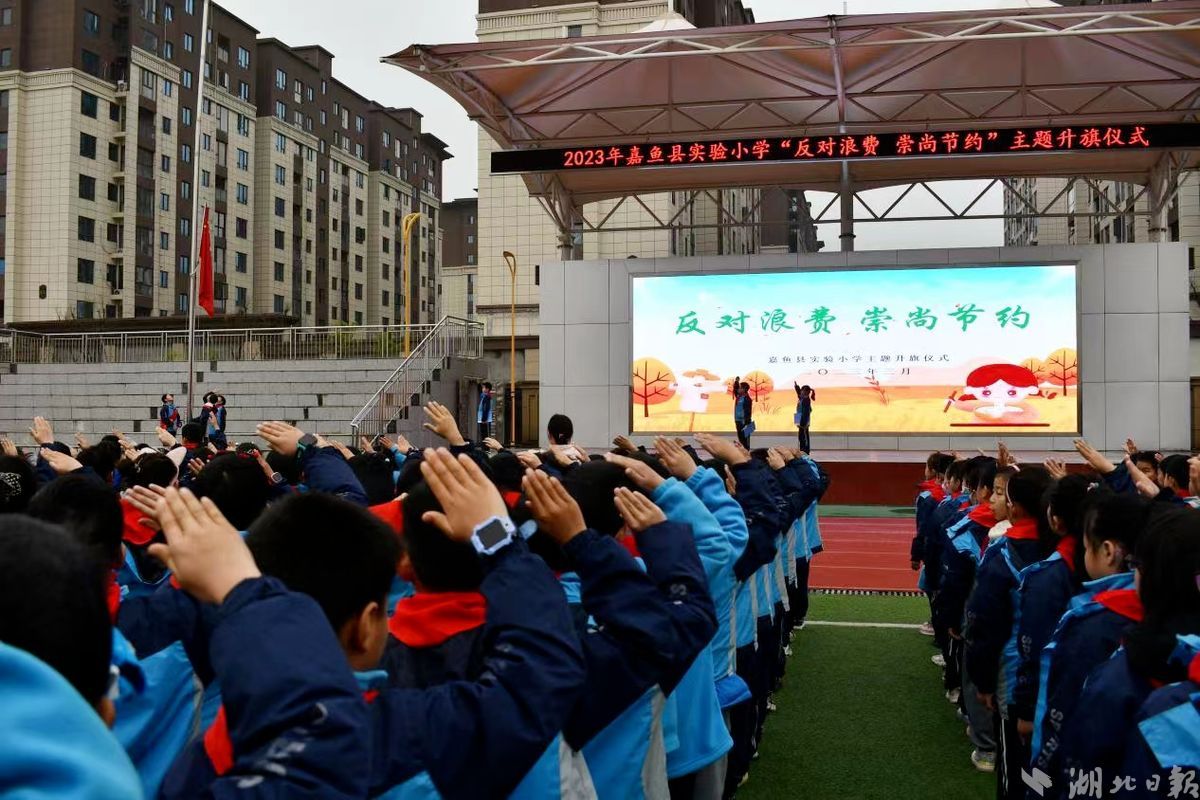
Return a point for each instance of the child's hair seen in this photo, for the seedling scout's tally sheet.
(956, 471)
(17, 484)
(487, 385)
(1027, 489)
(374, 472)
(1118, 517)
(1145, 457)
(192, 433)
(1067, 500)
(812, 393)
(592, 485)
(332, 550)
(1004, 473)
(441, 564)
(53, 604)
(248, 449)
(88, 509)
(1176, 468)
(1169, 556)
(979, 472)
(220, 399)
(934, 461)
(745, 388)
(560, 429)
(102, 457)
(149, 469)
(165, 396)
(507, 470)
(236, 485)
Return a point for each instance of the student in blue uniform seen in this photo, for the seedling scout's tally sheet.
(930, 534)
(1099, 732)
(930, 493)
(1094, 624)
(805, 397)
(1163, 755)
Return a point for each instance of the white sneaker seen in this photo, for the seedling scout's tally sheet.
(952, 695)
(937, 659)
(926, 629)
(787, 651)
(984, 762)
(801, 624)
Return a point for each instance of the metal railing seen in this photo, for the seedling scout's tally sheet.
(237, 344)
(452, 337)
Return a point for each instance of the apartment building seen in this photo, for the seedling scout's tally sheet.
(103, 134)
(460, 267)
(509, 219)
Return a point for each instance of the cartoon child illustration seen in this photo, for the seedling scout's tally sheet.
(995, 394)
(694, 389)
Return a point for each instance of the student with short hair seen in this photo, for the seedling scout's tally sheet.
(485, 410)
(560, 429)
(168, 414)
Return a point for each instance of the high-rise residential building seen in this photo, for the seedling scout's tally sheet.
(509, 219)
(108, 159)
(794, 231)
(460, 268)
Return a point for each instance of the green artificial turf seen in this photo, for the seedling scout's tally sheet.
(862, 717)
(868, 608)
(867, 511)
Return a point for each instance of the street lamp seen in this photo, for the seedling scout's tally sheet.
(511, 260)
(405, 236)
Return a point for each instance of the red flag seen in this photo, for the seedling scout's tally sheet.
(204, 297)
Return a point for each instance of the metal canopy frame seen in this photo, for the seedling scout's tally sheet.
(1135, 63)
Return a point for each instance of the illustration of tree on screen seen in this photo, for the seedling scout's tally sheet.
(761, 387)
(652, 383)
(1062, 367)
(873, 382)
(1038, 368)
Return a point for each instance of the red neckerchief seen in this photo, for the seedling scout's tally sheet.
(935, 489)
(630, 544)
(1066, 549)
(982, 515)
(113, 595)
(219, 747)
(391, 512)
(1194, 669)
(1182, 494)
(511, 499)
(1026, 529)
(134, 531)
(1122, 601)
(429, 618)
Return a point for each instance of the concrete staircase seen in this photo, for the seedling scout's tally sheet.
(322, 396)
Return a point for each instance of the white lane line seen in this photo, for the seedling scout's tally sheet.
(903, 625)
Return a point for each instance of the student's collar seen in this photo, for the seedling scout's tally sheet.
(371, 679)
(1066, 550)
(1122, 601)
(982, 515)
(427, 619)
(1026, 529)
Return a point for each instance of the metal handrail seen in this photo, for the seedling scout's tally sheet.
(452, 337)
(229, 344)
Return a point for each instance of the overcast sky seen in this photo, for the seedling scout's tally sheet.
(359, 32)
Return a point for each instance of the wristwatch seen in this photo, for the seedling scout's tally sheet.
(493, 534)
(306, 441)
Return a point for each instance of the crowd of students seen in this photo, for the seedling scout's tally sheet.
(307, 619)
(1065, 606)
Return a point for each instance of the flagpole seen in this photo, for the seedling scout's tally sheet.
(196, 231)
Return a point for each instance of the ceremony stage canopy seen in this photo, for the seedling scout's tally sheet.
(1037, 92)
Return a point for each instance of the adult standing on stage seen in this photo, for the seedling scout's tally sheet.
(743, 411)
(805, 395)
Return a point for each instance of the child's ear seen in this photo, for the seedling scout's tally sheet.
(107, 711)
(405, 568)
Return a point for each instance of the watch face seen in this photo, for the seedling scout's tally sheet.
(492, 534)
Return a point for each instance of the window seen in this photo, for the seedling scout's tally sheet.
(278, 240)
(164, 279)
(281, 110)
(87, 187)
(243, 125)
(280, 143)
(280, 207)
(386, 244)
(239, 227)
(359, 123)
(243, 193)
(114, 152)
(470, 259)
(6, 57)
(185, 227)
(185, 153)
(243, 159)
(278, 303)
(280, 175)
(243, 58)
(189, 43)
(84, 309)
(168, 87)
(360, 235)
(189, 7)
(470, 238)
(6, 17)
(166, 125)
(114, 192)
(185, 115)
(164, 202)
(85, 270)
(91, 23)
(186, 78)
(87, 145)
(168, 12)
(280, 79)
(239, 260)
(205, 141)
(168, 50)
(164, 240)
(244, 93)
(87, 229)
(297, 91)
(358, 151)
(185, 189)
(88, 104)
(324, 117)
(205, 177)
(181, 303)
(166, 163)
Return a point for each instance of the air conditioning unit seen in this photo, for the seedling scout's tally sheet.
(122, 86)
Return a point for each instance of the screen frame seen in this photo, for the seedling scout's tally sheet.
(999, 433)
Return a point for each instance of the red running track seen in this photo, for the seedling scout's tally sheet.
(864, 553)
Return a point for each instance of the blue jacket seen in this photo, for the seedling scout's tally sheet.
(703, 735)
(484, 412)
(327, 471)
(800, 489)
(947, 512)
(293, 720)
(925, 505)
(1087, 635)
(53, 745)
(1166, 747)
(743, 410)
(988, 621)
(476, 729)
(1045, 590)
(961, 553)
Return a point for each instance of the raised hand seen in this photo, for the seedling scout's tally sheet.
(196, 466)
(404, 444)
(1130, 447)
(1004, 456)
(723, 449)
(1145, 485)
(555, 510)
(1056, 467)
(41, 431)
(364, 444)
(637, 510)
(775, 459)
(282, 437)
(204, 551)
(1094, 457)
(346, 452)
(624, 444)
(7, 447)
(564, 455)
(529, 459)
(676, 459)
(492, 444)
(639, 472)
(61, 463)
(164, 438)
(467, 497)
(441, 422)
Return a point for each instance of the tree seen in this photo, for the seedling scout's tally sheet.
(761, 384)
(652, 380)
(1062, 367)
(1038, 368)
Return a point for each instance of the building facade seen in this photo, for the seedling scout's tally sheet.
(103, 137)
(460, 267)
